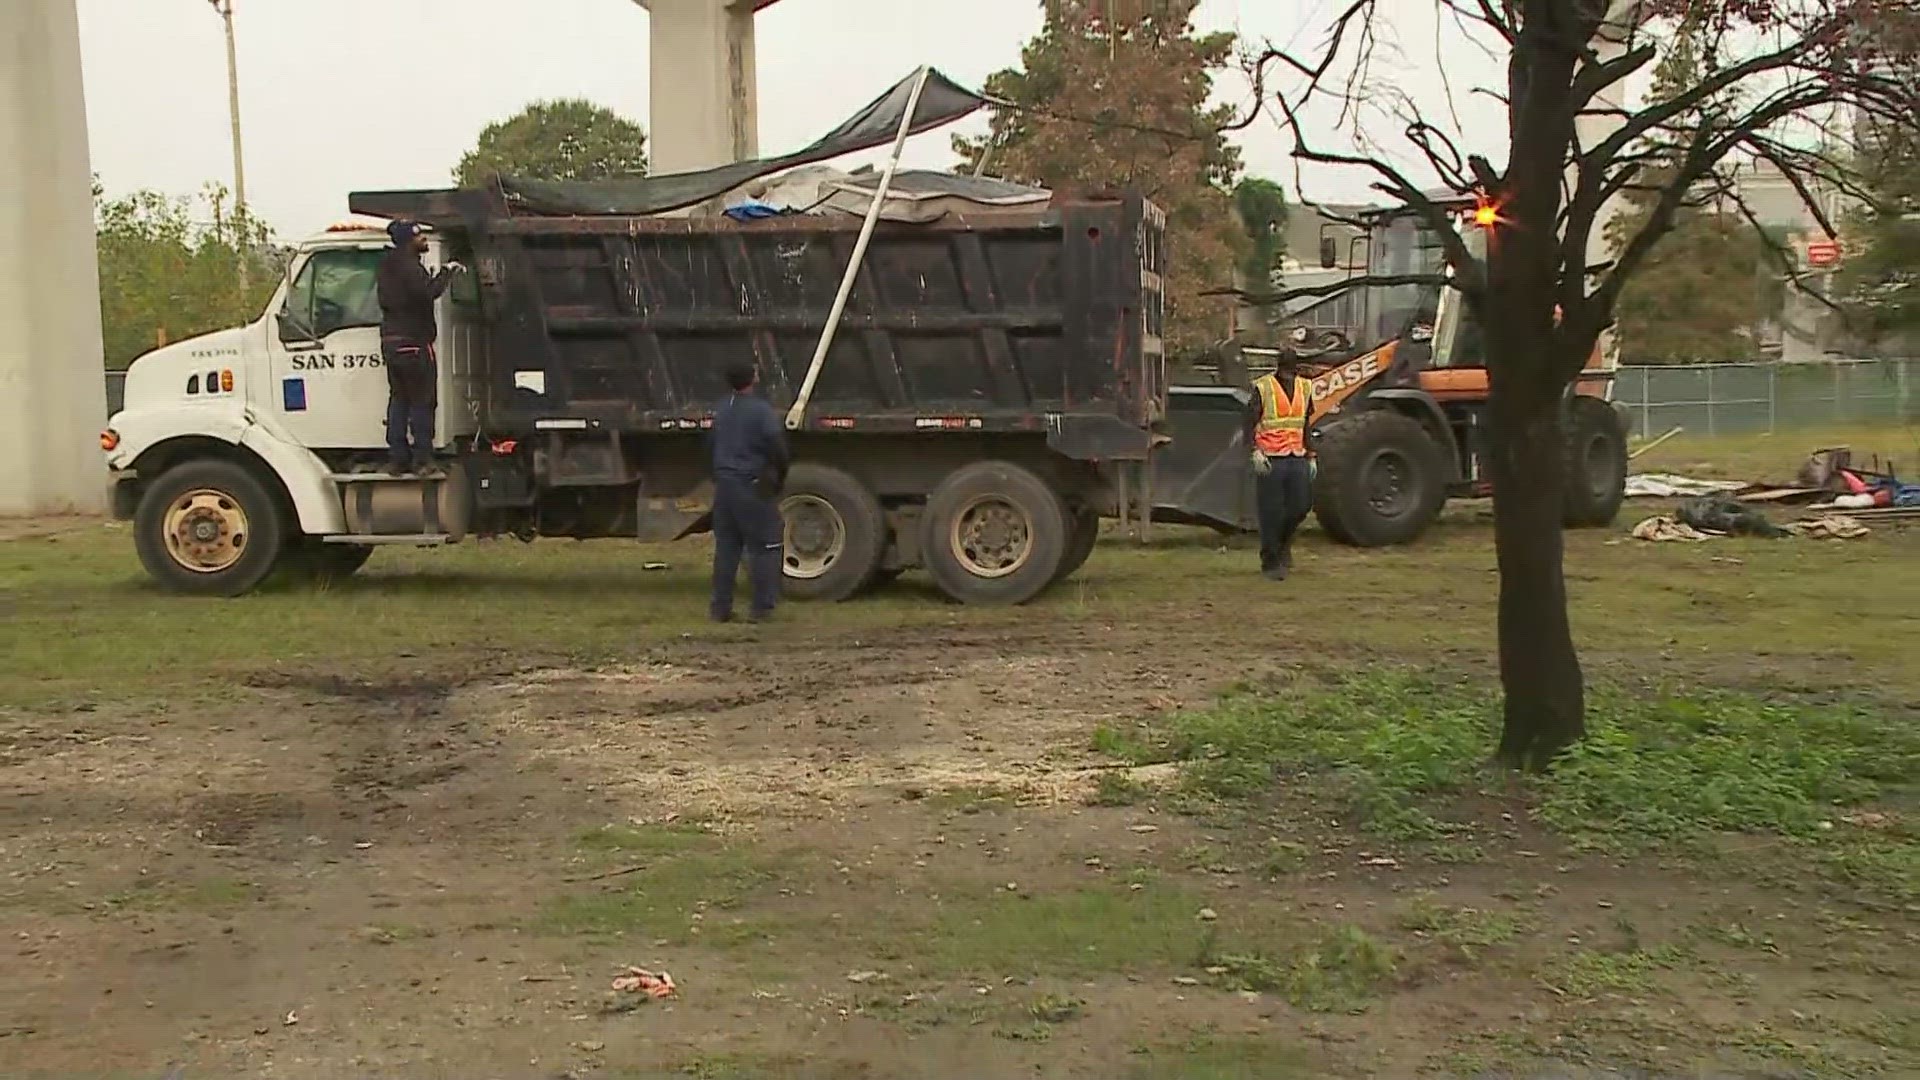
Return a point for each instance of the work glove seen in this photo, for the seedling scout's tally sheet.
(1261, 466)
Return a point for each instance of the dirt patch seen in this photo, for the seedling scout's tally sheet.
(893, 843)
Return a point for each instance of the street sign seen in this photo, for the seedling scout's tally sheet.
(1823, 253)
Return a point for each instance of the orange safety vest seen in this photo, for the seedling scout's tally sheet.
(1282, 430)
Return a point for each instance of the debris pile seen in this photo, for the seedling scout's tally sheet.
(1829, 481)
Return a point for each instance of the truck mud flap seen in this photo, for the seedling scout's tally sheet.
(671, 517)
(1096, 437)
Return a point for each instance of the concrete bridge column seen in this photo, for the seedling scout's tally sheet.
(702, 83)
(52, 392)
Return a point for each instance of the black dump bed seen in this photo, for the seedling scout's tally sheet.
(1043, 321)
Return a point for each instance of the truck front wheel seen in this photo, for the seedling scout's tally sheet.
(833, 533)
(209, 528)
(994, 533)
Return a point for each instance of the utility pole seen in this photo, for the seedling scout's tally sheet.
(225, 8)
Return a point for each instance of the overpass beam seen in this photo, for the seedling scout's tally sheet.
(702, 84)
(52, 393)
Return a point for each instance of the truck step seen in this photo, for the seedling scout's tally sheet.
(395, 539)
(377, 477)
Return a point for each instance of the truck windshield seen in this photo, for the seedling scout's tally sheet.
(1456, 334)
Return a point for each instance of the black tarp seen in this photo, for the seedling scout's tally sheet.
(942, 101)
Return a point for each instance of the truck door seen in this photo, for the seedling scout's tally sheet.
(329, 390)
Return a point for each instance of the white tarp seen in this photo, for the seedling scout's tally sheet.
(1669, 486)
(916, 195)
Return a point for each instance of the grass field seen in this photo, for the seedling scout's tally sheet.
(1171, 821)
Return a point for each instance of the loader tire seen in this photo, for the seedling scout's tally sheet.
(1380, 479)
(1596, 479)
(994, 533)
(209, 528)
(833, 533)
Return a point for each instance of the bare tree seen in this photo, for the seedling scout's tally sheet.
(1778, 78)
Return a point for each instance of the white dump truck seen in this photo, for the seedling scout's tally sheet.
(988, 371)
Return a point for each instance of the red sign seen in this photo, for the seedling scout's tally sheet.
(1823, 253)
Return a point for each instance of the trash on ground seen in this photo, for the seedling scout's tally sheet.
(1717, 514)
(1828, 527)
(865, 976)
(642, 981)
(1876, 486)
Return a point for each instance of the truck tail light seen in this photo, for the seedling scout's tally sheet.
(109, 440)
(226, 380)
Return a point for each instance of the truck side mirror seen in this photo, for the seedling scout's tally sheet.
(292, 330)
(1329, 252)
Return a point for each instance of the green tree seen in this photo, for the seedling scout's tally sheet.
(1878, 284)
(1261, 206)
(167, 273)
(1118, 101)
(556, 140)
(1701, 296)
(1702, 293)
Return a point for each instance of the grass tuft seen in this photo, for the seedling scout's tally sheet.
(1393, 749)
(1339, 973)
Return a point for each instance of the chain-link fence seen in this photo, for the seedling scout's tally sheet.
(1731, 399)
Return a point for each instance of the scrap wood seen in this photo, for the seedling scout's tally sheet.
(1782, 494)
(1648, 446)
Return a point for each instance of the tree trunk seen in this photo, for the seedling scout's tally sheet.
(1545, 707)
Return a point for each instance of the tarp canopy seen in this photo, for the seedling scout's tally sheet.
(942, 102)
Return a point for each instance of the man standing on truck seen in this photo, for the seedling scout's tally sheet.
(1279, 430)
(749, 468)
(407, 335)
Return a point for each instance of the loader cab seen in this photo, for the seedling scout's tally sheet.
(1398, 243)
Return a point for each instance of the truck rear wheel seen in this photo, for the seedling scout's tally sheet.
(1596, 479)
(834, 533)
(994, 533)
(1084, 520)
(209, 528)
(1379, 480)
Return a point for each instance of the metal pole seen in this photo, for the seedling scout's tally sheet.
(1773, 398)
(225, 8)
(799, 409)
(1711, 425)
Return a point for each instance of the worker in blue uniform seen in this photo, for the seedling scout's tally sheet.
(749, 467)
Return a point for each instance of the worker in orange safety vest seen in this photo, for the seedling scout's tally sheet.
(1280, 435)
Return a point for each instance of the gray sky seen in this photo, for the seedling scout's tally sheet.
(339, 95)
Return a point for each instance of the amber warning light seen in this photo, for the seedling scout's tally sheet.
(1486, 215)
